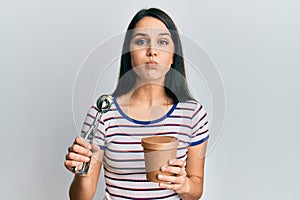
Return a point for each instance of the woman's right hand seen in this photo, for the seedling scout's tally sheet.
(78, 152)
(84, 185)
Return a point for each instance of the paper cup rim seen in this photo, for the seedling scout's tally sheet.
(160, 142)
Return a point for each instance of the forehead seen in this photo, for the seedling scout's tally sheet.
(151, 25)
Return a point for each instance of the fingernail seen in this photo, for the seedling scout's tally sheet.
(171, 162)
(87, 159)
(90, 153)
(160, 176)
(163, 168)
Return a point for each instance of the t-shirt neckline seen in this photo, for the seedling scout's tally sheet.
(140, 121)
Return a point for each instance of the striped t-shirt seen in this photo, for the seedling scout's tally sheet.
(120, 137)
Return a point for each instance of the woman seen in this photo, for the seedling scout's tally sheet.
(151, 98)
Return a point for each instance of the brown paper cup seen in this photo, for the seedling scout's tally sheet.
(158, 150)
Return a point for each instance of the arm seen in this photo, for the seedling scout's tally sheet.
(84, 187)
(195, 171)
(189, 181)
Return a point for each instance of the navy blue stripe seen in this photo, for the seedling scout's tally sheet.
(102, 147)
(199, 142)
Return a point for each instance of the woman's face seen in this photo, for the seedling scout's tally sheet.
(151, 50)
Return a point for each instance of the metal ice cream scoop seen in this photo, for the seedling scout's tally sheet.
(103, 104)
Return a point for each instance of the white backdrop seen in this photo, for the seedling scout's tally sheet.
(254, 44)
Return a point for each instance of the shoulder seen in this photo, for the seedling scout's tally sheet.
(190, 104)
(192, 108)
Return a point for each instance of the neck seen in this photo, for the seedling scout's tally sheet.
(150, 94)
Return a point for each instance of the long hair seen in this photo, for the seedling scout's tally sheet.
(175, 81)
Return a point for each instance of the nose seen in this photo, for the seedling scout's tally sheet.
(151, 52)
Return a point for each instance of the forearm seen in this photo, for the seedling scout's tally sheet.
(84, 187)
(195, 185)
(81, 188)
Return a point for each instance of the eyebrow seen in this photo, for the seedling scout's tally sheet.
(144, 34)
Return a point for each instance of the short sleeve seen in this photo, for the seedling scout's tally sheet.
(199, 132)
(99, 138)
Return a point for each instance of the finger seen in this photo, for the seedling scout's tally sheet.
(80, 150)
(174, 170)
(77, 157)
(170, 186)
(175, 162)
(172, 179)
(71, 163)
(82, 142)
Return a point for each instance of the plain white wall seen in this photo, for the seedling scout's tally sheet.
(254, 44)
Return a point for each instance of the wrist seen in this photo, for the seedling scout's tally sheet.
(186, 187)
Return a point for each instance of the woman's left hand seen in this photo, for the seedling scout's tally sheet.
(179, 182)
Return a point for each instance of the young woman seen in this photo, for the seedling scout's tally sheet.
(151, 98)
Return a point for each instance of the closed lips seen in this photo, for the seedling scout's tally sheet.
(151, 63)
